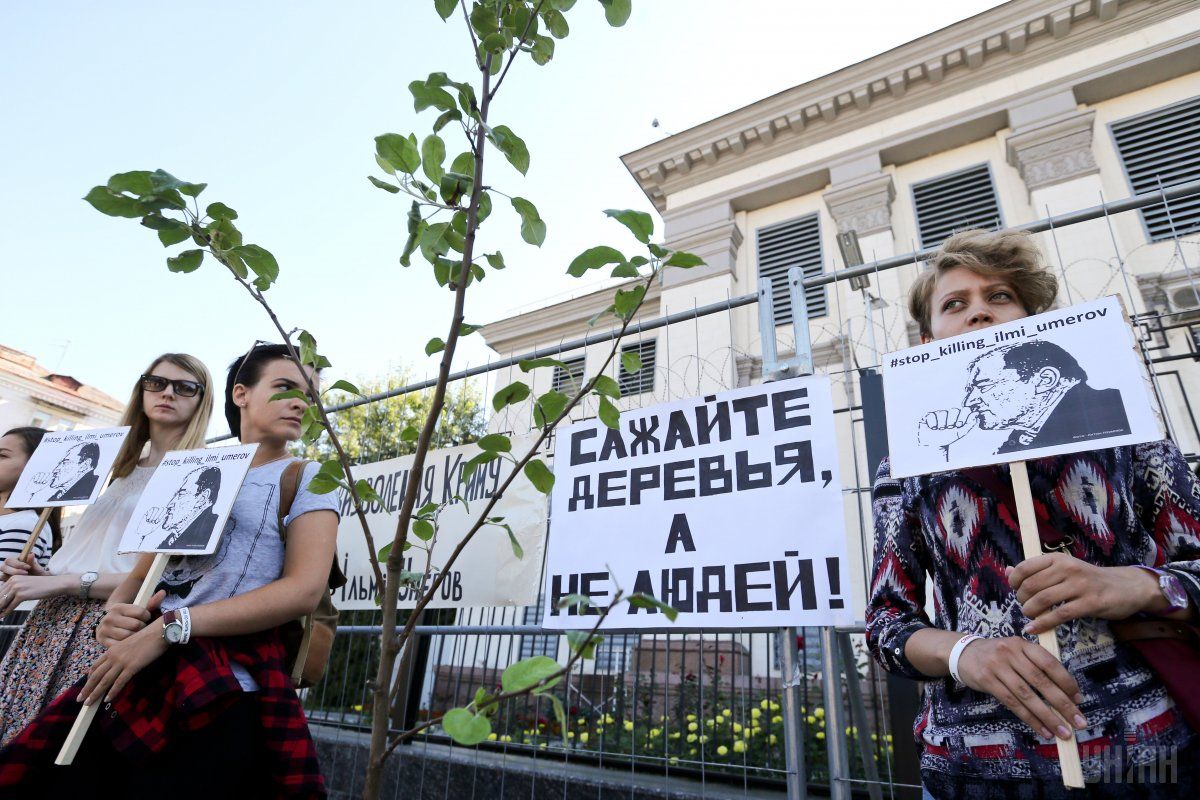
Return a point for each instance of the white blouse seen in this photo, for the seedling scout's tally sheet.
(92, 545)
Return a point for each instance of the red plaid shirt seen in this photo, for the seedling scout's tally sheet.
(185, 689)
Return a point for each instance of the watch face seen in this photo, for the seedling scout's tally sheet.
(173, 632)
(89, 577)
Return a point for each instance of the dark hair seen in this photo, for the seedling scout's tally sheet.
(209, 480)
(247, 370)
(1026, 358)
(30, 438)
(91, 452)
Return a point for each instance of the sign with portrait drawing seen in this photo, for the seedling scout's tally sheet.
(68, 468)
(1064, 381)
(183, 509)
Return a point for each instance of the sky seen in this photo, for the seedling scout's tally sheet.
(276, 105)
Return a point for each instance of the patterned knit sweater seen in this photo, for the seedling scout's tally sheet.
(1117, 507)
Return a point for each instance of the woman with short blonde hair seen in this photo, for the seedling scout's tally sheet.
(169, 409)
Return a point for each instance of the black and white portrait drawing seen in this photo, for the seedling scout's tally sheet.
(1037, 392)
(187, 521)
(68, 468)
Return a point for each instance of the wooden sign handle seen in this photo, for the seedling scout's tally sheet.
(37, 531)
(1031, 544)
(87, 713)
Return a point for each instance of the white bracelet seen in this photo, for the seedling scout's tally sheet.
(185, 619)
(956, 653)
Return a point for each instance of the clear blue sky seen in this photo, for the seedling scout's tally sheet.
(276, 104)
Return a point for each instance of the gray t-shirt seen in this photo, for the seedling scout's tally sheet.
(250, 552)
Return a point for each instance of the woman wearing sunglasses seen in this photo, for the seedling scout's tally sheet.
(169, 409)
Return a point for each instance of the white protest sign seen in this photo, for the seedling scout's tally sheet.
(487, 572)
(727, 507)
(68, 468)
(1060, 382)
(183, 509)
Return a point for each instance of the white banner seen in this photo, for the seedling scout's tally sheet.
(1060, 382)
(487, 573)
(728, 508)
(68, 468)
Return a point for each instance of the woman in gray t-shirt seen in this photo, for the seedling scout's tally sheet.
(226, 696)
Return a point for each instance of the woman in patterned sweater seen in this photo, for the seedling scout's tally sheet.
(1122, 531)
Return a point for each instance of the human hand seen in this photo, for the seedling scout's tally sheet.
(123, 620)
(944, 428)
(1055, 588)
(120, 662)
(15, 566)
(1029, 681)
(19, 588)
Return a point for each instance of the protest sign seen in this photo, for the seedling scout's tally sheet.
(182, 510)
(68, 468)
(1060, 382)
(727, 507)
(488, 571)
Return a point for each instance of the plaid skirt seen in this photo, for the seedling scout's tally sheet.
(53, 651)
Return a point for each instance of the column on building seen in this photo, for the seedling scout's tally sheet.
(860, 199)
(1051, 147)
(697, 358)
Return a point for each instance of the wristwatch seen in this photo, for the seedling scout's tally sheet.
(1171, 587)
(85, 583)
(172, 628)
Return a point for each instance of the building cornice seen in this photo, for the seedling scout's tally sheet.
(1014, 37)
(561, 321)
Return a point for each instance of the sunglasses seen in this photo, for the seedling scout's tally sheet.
(157, 383)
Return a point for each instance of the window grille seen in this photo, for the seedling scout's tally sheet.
(1163, 145)
(956, 202)
(641, 381)
(795, 243)
(537, 645)
(569, 380)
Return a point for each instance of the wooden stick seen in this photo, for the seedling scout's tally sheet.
(87, 713)
(1031, 544)
(33, 537)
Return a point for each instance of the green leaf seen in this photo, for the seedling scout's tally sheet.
(466, 728)
(606, 386)
(433, 153)
(466, 329)
(559, 714)
(539, 475)
(581, 600)
(625, 271)
(684, 260)
(429, 93)
(495, 442)
(445, 8)
(410, 434)
(385, 551)
(530, 672)
(290, 394)
(399, 151)
(260, 261)
(387, 187)
(528, 364)
(332, 468)
(170, 231)
(533, 230)
(137, 182)
(583, 643)
(542, 50)
(323, 484)
(639, 223)
(609, 414)
(648, 602)
(631, 362)
(109, 202)
(477, 461)
(220, 211)
(626, 301)
(548, 408)
(518, 551)
(423, 529)
(657, 250)
(594, 258)
(512, 146)
(345, 386)
(495, 260)
(556, 23)
(416, 228)
(446, 118)
(187, 261)
(617, 11)
(367, 493)
(513, 393)
(434, 345)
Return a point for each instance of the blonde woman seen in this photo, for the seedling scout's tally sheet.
(169, 409)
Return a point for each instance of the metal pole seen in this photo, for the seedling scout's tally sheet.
(858, 716)
(835, 741)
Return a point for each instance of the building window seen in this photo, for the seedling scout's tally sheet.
(960, 201)
(612, 654)
(568, 378)
(39, 421)
(643, 380)
(1163, 146)
(795, 243)
(537, 645)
